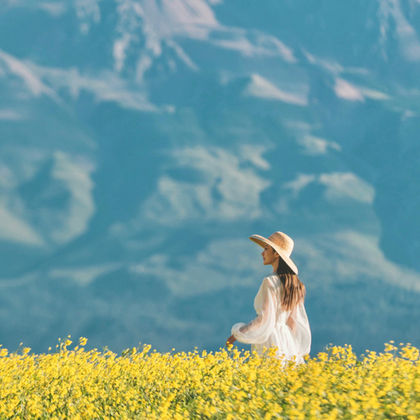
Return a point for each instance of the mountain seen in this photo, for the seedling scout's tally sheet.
(143, 141)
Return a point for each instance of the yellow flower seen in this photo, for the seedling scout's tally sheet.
(81, 384)
(82, 341)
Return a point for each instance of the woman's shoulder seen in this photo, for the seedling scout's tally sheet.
(272, 280)
(272, 276)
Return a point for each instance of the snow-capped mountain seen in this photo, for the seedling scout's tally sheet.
(143, 141)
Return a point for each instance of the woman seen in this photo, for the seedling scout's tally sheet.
(282, 321)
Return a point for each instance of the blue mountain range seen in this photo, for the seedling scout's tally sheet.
(143, 141)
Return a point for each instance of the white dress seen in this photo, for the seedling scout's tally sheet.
(272, 327)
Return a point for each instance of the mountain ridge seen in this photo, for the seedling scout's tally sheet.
(145, 141)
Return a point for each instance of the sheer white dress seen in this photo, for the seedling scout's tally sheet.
(289, 331)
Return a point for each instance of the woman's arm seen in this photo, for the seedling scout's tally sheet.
(291, 322)
(299, 326)
(258, 330)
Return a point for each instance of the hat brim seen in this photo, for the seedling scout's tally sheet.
(261, 241)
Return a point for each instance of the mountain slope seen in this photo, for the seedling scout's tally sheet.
(141, 142)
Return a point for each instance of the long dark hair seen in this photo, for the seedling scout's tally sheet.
(293, 290)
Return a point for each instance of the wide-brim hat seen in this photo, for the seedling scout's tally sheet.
(281, 243)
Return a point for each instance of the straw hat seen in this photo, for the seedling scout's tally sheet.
(281, 243)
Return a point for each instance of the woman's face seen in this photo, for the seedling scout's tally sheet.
(269, 255)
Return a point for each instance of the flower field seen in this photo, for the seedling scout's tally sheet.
(76, 383)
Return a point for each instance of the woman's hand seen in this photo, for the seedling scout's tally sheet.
(230, 341)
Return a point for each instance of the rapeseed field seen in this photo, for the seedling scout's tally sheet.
(76, 383)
